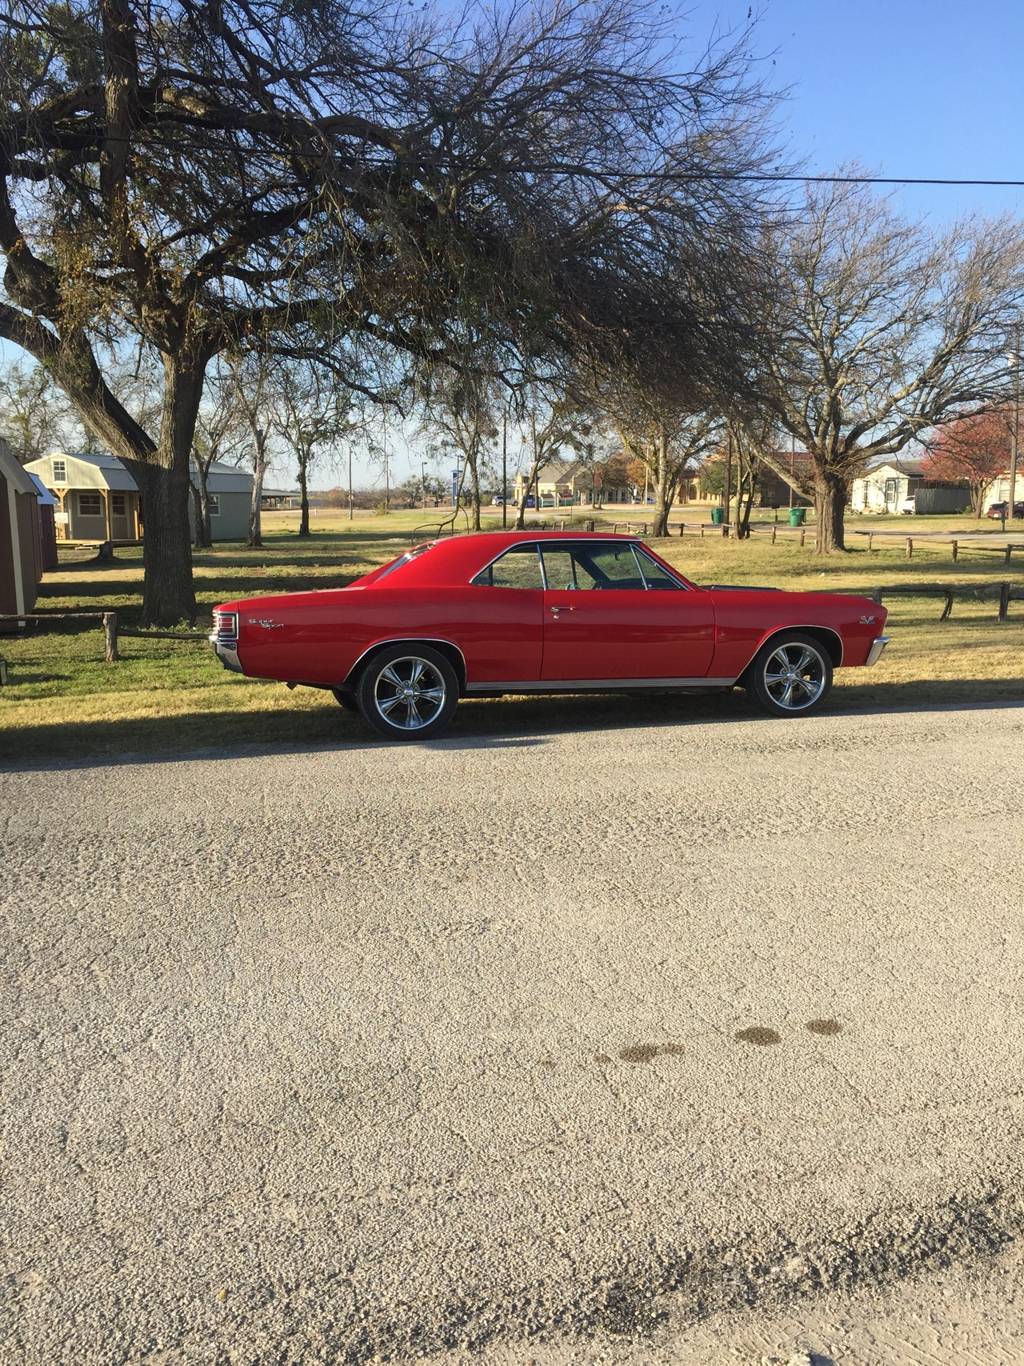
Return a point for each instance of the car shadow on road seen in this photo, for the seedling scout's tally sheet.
(495, 724)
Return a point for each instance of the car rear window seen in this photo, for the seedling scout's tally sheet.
(394, 565)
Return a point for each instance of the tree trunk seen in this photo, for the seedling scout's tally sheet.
(531, 480)
(662, 498)
(303, 493)
(167, 592)
(830, 492)
(260, 463)
(201, 491)
(474, 484)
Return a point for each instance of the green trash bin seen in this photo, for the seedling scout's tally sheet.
(718, 516)
(796, 516)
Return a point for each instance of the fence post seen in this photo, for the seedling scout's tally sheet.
(774, 532)
(1006, 555)
(110, 654)
(803, 535)
(871, 541)
(910, 547)
(1004, 601)
(702, 531)
(682, 528)
(956, 552)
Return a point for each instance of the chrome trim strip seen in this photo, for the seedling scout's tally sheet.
(877, 650)
(406, 640)
(598, 684)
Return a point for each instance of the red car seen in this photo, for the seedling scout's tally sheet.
(519, 612)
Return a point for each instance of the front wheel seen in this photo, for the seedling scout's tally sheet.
(408, 692)
(791, 675)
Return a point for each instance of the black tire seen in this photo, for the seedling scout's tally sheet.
(380, 696)
(793, 666)
(346, 698)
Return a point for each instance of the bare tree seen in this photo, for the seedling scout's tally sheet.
(34, 414)
(877, 331)
(460, 412)
(312, 411)
(671, 446)
(222, 435)
(554, 422)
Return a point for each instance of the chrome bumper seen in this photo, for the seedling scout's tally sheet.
(227, 653)
(875, 653)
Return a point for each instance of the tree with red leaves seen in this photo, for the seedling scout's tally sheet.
(975, 449)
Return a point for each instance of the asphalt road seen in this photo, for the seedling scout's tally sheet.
(384, 1051)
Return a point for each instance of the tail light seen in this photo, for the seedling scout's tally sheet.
(225, 627)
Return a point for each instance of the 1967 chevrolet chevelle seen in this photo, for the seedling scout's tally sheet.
(542, 612)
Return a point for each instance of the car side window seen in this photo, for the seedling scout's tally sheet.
(517, 568)
(654, 575)
(607, 567)
(559, 567)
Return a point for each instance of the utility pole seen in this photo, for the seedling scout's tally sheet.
(423, 481)
(792, 465)
(504, 469)
(350, 481)
(727, 491)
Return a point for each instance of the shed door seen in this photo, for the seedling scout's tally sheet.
(120, 521)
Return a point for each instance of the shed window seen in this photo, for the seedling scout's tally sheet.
(213, 502)
(90, 505)
(118, 504)
(60, 471)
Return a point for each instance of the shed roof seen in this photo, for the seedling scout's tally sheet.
(43, 494)
(13, 471)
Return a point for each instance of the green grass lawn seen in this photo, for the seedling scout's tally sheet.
(63, 700)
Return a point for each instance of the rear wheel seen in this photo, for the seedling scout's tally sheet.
(408, 692)
(791, 675)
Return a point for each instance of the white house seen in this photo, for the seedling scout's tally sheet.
(98, 500)
(884, 488)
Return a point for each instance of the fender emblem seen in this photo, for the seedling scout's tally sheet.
(266, 622)
(866, 621)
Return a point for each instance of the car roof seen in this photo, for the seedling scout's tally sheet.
(454, 559)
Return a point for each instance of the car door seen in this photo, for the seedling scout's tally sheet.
(500, 618)
(612, 612)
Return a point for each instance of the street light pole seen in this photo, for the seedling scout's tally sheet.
(423, 481)
(350, 481)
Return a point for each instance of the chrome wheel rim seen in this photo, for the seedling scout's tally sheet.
(409, 693)
(794, 676)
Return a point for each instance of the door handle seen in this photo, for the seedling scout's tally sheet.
(555, 610)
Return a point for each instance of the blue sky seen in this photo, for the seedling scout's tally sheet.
(905, 88)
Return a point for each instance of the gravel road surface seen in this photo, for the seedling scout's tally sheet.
(539, 1043)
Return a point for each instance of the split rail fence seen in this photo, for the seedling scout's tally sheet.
(108, 621)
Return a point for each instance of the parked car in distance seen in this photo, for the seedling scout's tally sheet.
(542, 612)
(908, 507)
(999, 510)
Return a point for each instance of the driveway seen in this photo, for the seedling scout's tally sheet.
(388, 1050)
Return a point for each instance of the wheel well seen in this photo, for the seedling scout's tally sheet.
(830, 639)
(443, 647)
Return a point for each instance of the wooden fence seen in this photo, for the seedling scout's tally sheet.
(108, 621)
(1003, 592)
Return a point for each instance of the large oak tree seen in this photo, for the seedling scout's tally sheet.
(263, 175)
